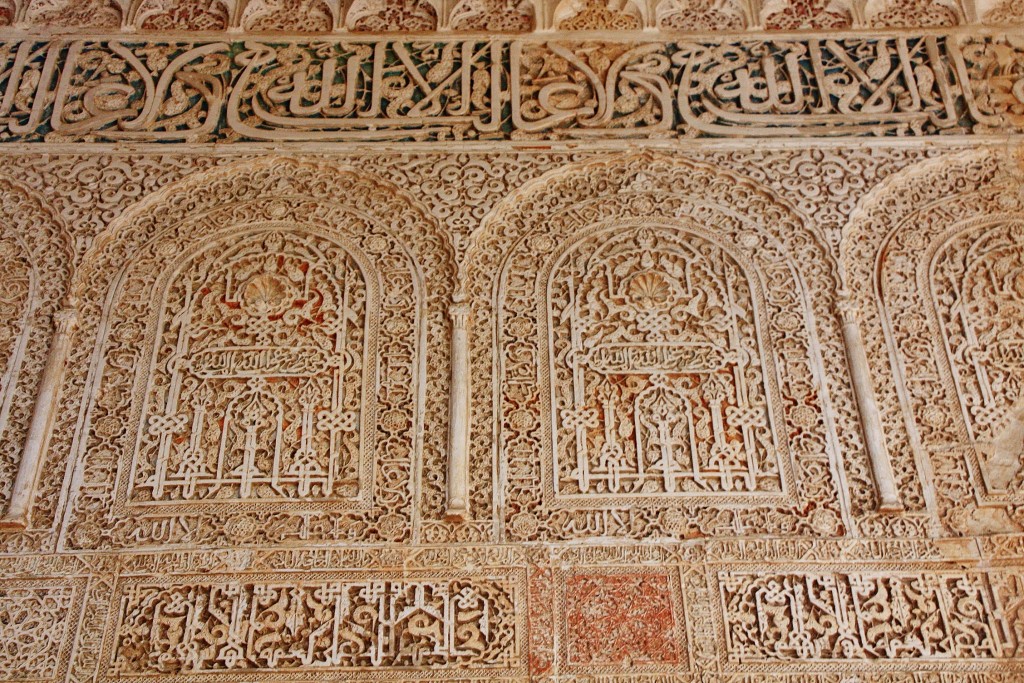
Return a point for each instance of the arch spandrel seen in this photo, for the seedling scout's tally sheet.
(528, 233)
(193, 428)
(35, 272)
(937, 323)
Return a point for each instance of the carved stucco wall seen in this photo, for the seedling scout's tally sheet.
(594, 357)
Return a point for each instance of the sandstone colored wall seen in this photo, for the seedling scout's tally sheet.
(542, 357)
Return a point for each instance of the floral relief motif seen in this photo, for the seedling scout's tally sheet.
(910, 13)
(512, 16)
(8, 10)
(1004, 12)
(303, 16)
(74, 13)
(386, 15)
(788, 15)
(592, 15)
(182, 15)
(700, 15)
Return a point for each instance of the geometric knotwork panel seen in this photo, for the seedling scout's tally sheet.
(255, 385)
(658, 379)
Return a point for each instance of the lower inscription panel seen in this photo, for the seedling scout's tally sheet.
(900, 618)
(283, 625)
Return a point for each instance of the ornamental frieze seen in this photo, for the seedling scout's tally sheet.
(334, 90)
(551, 351)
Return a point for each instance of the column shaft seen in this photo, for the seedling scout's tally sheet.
(459, 421)
(871, 424)
(41, 424)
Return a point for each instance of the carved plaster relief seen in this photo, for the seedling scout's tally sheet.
(947, 267)
(36, 264)
(501, 16)
(815, 618)
(237, 363)
(701, 15)
(508, 90)
(658, 424)
(668, 470)
(182, 15)
(38, 619)
(511, 16)
(299, 16)
(281, 626)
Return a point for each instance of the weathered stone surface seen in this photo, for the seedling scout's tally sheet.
(597, 357)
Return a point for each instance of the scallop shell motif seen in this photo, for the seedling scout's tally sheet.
(266, 295)
(650, 290)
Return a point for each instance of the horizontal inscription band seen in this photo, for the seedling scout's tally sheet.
(514, 90)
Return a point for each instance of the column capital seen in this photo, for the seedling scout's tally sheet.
(847, 309)
(65, 320)
(459, 312)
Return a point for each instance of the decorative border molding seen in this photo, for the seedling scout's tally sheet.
(106, 90)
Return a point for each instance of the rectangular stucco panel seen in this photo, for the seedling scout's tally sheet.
(496, 341)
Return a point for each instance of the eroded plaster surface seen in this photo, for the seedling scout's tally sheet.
(591, 344)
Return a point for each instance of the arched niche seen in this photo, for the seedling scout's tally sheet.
(257, 341)
(35, 268)
(940, 245)
(607, 289)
